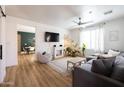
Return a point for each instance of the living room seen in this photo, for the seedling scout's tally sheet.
(61, 45)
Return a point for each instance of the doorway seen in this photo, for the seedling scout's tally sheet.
(26, 43)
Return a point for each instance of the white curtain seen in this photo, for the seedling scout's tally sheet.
(93, 38)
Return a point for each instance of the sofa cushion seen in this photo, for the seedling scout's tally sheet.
(121, 54)
(101, 57)
(118, 73)
(118, 69)
(108, 62)
(119, 60)
(90, 61)
(86, 67)
(103, 66)
(113, 53)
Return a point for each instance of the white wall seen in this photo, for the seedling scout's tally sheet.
(75, 35)
(41, 45)
(2, 41)
(114, 25)
(11, 37)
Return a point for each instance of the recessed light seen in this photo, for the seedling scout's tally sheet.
(90, 12)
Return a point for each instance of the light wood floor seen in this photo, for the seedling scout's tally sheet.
(33, 74)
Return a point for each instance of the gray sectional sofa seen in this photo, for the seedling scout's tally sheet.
(101, 72)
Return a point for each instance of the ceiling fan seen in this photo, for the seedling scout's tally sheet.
(80, 22)
(3, 14)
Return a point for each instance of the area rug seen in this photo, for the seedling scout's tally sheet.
(60, 65)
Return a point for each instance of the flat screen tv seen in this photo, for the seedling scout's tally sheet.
(51, 37)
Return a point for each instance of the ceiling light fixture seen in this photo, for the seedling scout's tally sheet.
(90, 12)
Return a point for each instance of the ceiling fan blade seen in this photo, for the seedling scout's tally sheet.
(75, 22)
(74, 26)
(86, 22)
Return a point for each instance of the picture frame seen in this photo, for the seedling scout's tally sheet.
(113, 35)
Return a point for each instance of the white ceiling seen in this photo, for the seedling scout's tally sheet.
(63, 15)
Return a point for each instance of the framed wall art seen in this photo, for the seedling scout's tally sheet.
(114, 35)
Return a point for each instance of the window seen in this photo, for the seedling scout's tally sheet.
(93, 38)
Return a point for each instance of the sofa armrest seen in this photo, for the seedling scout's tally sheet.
(83, 78)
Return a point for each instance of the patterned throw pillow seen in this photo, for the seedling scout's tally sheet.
(118, 69)
(119, 60)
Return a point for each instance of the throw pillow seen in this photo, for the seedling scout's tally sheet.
(90, 61)
(113, 53)
(118, 73)
(102, 66)
(119, 60)
(102, 57)
(122, 54)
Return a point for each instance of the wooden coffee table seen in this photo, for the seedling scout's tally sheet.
(75, 62)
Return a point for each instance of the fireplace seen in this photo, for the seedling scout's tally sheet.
(58, 51)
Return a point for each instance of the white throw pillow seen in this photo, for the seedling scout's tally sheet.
(106, 55)
(113, 53)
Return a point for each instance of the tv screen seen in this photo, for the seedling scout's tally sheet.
(51, 37)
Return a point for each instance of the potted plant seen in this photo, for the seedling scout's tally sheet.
(83, 49)
(72, 52)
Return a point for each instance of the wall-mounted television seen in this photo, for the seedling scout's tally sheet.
(51, 37)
